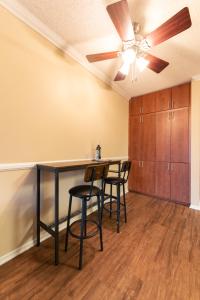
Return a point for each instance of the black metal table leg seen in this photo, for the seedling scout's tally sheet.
(118, 208)
(56, 218)
(38, 207)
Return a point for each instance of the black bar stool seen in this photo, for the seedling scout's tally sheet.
(117, 181)
(85, 193)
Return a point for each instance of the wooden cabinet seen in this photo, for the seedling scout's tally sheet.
(135, 106)
(162, 180)
(180, 183)
(142, 137)
(136, 177)
(135, 137)
(143, 104)
(180, 135)
(142, 177)
(163, 125)
(148, 138)
(148, 177)
(149, 103)
(181, 96)
(159, 144)
(163, 100)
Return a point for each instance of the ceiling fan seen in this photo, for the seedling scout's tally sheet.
(134, 46)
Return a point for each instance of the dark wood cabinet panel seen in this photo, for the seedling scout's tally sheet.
(136, 177)
(181, 96)
(180, 183)
(163, 99)
(162, 180)
(135, 105)
(180, 135)
(142, 177)
(148, 177)
(148, 136)
(149, 103)
(163, 136)
(135, 137)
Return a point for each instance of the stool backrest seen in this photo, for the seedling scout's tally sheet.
(125, 169)
(96, 172)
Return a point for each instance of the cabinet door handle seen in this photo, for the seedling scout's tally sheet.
(168, 166)
(172, 103)
(142, 119)
(169, 104)
(142, 164)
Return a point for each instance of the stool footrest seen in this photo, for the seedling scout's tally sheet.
(108, 209)
(87, 236)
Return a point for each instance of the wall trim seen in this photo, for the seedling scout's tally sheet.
(43, 236)
(32, 21)
(31, 243)
(30, 165)
(196, 207)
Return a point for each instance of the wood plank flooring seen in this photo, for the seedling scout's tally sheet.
(155, 257)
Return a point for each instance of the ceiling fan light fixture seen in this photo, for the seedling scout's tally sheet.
(128, 56)
(124, 68)
(142, 63)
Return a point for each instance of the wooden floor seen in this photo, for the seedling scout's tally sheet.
(156, 256)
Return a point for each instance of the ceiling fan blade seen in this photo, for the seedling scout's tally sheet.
(178, 23)
(119, 14)
(120, 76)
(156, 64)
(102, 56)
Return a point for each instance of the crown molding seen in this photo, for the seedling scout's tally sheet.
(32, 21)
(196, 77)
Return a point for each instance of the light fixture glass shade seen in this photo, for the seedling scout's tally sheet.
(142, 63)
(128, 56)
(125, 68)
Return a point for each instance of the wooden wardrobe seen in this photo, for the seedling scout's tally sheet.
(159, 135)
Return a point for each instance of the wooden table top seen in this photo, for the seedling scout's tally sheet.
(74, 165)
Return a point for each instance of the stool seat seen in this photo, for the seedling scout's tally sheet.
(115, 180)
(84, 191)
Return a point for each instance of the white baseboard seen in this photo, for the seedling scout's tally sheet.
(44, 236)
(196, 207)
(29, 244)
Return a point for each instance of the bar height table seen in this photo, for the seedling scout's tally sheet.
(57, 168)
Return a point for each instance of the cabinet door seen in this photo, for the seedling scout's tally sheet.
(148, 177)
(163, 136)
(149, 103)
(163, 100)
(148, 136)
(180, 183)
(180, 135)
(135, 106)
(135, 137)
(181, 96)
(135, 181)
(162, 180)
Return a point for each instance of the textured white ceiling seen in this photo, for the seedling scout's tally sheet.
(86, 26)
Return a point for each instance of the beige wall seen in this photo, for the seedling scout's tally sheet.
(195, 144)
(51, 109)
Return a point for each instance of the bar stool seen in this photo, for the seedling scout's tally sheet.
(117, 181)
(85, 193)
